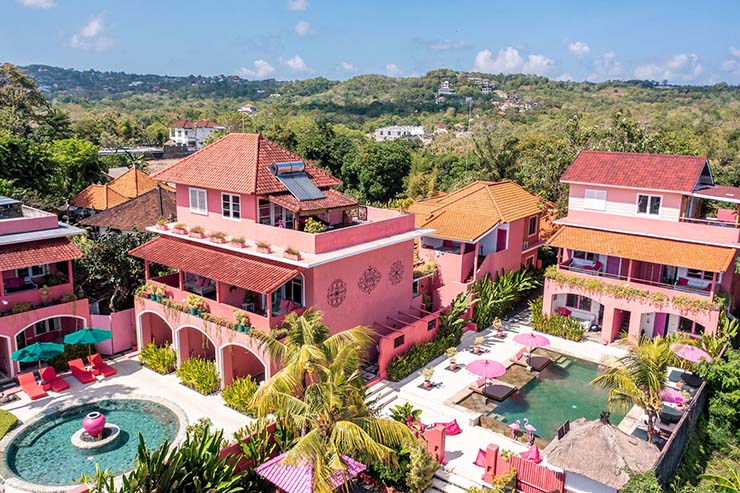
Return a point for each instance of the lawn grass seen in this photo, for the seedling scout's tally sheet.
(7, 422)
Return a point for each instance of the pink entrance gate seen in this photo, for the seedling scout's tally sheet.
(530, 477)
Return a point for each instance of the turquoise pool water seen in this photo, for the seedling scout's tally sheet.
(560, 392)
(43, 453)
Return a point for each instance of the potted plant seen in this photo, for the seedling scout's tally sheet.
(292, 253)
(194, 303)
(263, 247)
(218, 237)
(313, 226)
(197, 232)
(44, 293)
(427, 373)
(68, 298)
(499, 326)
(159, 294)
(239, 242)
(180, 229)
(477, 343)
(452, 356)
(162, 224)
(242, 321)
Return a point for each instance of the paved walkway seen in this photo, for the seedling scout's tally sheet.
(438, 404)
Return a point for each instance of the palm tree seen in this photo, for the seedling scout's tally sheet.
(321, 390)
(724, 483)
(638, 378)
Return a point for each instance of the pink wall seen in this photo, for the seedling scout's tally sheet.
(34, 296)
(214, 220)
(624, 201)
(123, 326)
(360, 308)
(383, 226)
(38, 221)
(413, 334)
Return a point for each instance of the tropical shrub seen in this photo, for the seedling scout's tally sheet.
(7, 422)
(557, 325)
(402, 412)
(392, 476)
(162, 359)
(257, 447)
(238, 394)
(422, 467)
(313, 226)
(644, 482)
(200, 375)
(71, 351)
(496, 297)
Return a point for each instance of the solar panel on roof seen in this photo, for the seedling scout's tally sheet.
(292, 176)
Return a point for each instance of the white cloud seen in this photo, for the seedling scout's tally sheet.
(393, 70)
(297, 4)
(303, 28)
(579, 49)
(509, 61)
(92, 35)
(261, 70)
(606, 67)
(732, 64)
(347, 66)
(680, 67)
(564, 77)
(446, 45)
(296, 64)
(38, 4)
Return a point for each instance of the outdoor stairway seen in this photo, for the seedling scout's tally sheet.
(381, 394)
(449, 482)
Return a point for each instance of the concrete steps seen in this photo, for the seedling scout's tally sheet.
(448, 482)
(381, 394)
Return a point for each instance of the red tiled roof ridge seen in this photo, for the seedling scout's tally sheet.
(629, 153)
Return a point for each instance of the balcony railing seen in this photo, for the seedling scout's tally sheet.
(711, 221)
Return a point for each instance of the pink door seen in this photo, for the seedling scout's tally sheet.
(612, 265)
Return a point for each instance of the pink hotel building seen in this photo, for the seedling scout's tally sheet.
(359, 271)
(644, 248)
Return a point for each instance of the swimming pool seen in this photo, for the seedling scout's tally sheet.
(560, 392)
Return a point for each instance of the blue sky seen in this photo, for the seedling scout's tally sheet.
(685, 42)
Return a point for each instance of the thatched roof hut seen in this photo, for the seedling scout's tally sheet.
(601, 452)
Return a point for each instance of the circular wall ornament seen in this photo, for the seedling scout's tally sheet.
(396, 273)
(337, 293)
(369, 279)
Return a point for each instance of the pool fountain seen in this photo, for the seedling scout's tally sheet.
(51, 452)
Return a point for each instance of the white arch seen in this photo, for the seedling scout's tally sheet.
(79, 317)
(140, 327)
(177, 342)
(250, 350)
(13, 342)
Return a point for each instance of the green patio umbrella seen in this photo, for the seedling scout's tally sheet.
(89, 336)
(39, 351)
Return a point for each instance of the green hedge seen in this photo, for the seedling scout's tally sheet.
(557, 325)
(162, 359)
(7, 422)
(407, 363)
(71, 351)
(200, 375)
(238, 395)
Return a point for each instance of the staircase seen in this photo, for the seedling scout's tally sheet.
(381, 394)
(449, 482)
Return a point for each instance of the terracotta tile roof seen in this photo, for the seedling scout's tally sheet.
(240, 163)
(21, 255)
(333, 200)
(635, 170)
(259, 275)
(130, 184)
(646, 249)
(137, 213)
(468, 213)
(190, 124)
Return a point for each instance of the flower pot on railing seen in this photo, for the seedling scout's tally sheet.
(219, 238)
(193, 311)
(197, 234)
(292, 256)
(239, 244)
(162, 227)
(263, 248)
(179, 229)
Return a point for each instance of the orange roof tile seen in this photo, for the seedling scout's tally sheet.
(240, 163)
(646, 249)
(259, 275)
(21, 255)
(333, 200)
(130, 184)
(468, 213)
(98, 197)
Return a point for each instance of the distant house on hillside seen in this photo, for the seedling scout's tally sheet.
(138, 213)
(248, 108)
(398, 131)
(192, 134)
(445, 89)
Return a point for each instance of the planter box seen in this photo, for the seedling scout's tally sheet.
(292, 256)
(197, 235)
(180, 231)
(220, 241)
(162, 227)
(264, 249)
(238, 245)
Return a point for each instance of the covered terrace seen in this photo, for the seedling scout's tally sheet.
(696, 208)
(334, 210)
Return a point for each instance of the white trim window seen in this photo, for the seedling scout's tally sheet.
(595, 200)
(699, 274)
(32, 271)
(532, 226)
(649, 204)
(198, 201)
(48, 325)
(231, 206)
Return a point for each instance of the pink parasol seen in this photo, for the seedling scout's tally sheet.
(299, 479)
(672, 395)
(690, 353)
(532, 340)
(486, 368)
(532, 455)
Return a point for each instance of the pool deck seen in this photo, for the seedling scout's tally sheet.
(439, 402)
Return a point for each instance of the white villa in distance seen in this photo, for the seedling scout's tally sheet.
(192, 134)
(398, 131)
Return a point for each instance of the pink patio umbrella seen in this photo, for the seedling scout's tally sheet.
(532, 455)
(690, 353)
(299, 479)
(531, 341)
(672, 395)
(486, 368)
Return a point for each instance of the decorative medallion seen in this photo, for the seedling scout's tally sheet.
(369, 279)
(336, 293)
(396, 273)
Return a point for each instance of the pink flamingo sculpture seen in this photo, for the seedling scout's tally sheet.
(530, 429)
(515, 428)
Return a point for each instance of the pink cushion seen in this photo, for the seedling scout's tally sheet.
(682, 281)
(726, 215)
(480, 460)
(284, 306)
(202, 281)
(563, 311)
(480, 382)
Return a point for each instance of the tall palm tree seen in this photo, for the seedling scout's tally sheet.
(728, 482)
(638, 378)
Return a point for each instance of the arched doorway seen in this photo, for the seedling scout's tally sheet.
(239, 361)
(154, 328)
(49, 329)
(194, 343)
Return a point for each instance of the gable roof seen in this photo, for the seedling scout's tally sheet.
(468, 213)
(130, 184)
(636, 170)
(137, 213)
(240, 163)
(191, 124)
(20, 255)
